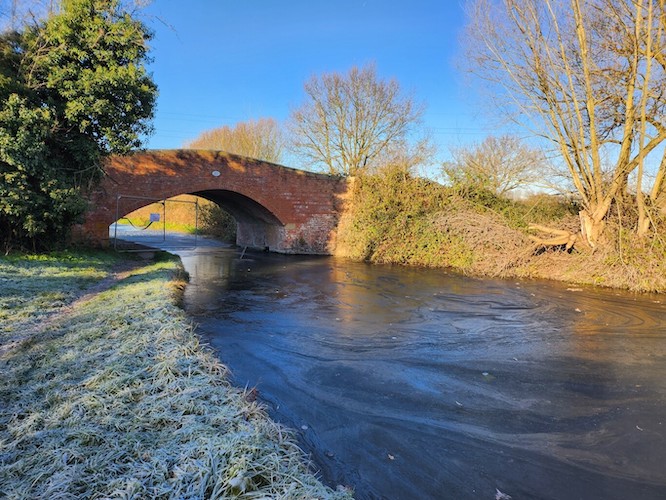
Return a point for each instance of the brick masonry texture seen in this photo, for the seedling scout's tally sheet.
(276, 207)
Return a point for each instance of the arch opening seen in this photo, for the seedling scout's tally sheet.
(256, 226)
(147, 222)
(241, 207)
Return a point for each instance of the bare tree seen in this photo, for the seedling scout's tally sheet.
(497, 164)
(14, 14)
(262, 139)
(591, 75)
(348, 122)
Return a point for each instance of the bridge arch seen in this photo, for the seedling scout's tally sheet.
(256, 225)
(275, 207)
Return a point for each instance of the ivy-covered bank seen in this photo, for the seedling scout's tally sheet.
(105, 392)
(394, 217)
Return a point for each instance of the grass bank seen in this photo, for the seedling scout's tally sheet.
(395, 218)
(105, 392)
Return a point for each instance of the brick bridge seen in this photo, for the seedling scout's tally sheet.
(275, 207)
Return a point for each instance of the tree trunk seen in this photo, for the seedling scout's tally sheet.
(592, 225)
(643, 222)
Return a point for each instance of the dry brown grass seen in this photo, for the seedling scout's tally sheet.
(498, 249)
(622, 262)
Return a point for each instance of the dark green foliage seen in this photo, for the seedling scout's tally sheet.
(37, 198)
(90, 58)
(217, 222)
(73, 89)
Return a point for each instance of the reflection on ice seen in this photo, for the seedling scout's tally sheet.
(410, 383)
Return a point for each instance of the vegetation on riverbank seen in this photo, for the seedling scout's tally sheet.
(106, 392)
(394, 217)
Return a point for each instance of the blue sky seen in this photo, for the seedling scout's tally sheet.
(219, 62)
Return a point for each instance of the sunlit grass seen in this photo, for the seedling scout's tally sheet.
(32, 286)
(116, 398)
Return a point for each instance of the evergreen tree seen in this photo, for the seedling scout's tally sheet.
(73, 89)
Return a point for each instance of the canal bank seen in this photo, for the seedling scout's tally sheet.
(106, 392)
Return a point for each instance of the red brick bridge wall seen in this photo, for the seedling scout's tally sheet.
(279, 208)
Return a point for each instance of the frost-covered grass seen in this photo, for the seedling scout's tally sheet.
(115, 398)
(32, 286)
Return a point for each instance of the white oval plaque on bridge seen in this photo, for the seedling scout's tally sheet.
(216, 173)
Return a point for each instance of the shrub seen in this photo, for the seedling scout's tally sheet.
(217, 222)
